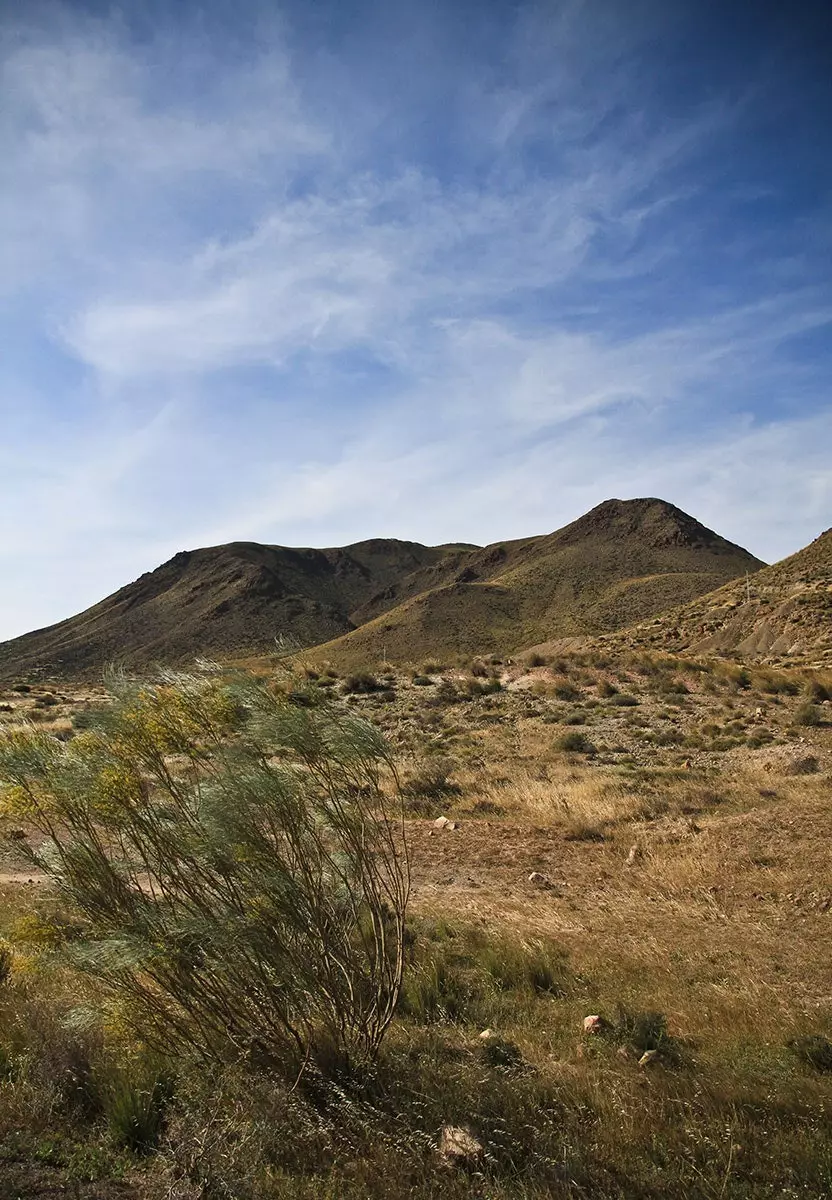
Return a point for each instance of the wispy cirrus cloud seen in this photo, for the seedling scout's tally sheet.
(259, 283)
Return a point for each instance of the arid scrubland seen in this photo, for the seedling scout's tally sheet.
(642, 839)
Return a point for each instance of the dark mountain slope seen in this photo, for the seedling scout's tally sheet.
(218, 601)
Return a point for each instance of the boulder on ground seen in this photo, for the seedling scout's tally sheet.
(444, 823)
(458, 1147)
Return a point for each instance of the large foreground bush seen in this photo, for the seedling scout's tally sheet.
(237, 860)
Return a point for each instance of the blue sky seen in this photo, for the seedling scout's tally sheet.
(309, 273)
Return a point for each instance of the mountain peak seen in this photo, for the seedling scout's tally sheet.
(657, 521)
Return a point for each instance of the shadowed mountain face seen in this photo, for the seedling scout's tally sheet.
(621, 562)
(782, 614)
(219, 601)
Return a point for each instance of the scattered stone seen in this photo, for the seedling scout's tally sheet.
(634, 855)
(458, 1147)
(648, 1057)
(539, 880)
(594, 1023)
(445, 823)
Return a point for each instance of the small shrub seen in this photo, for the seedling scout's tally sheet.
(607, 689)
(501, 1055)
(575, 718)
(22, 688)
(672, 686)
(807, 714)
(624, 700)
(438, 990)
(446, 693)
(816, 692)
(482, 687)
(431, 781)
(814, 1051)
(422, 681)
(566, 691)
(362, 683)
(576, 742)
(536, 968)
(806, 765)
(536, 660)
(135, 1110)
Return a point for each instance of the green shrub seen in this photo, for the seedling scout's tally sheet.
(536, 968)
(807, 714)
(362, 684)
(575, 718)
(431, 782)
(446, 693)
(576, 742)
(135, 1110)
(247, 902)
(671, 685)
(482, 687)
(814, 1051)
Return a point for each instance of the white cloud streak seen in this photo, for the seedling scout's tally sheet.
(485, 354)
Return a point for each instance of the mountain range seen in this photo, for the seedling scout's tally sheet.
(624, 562)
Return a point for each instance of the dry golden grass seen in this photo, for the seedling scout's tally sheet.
(719, 921)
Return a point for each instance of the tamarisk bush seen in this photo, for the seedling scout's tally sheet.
(237, 861)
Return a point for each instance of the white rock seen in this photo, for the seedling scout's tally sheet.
(539, 880)
(633, 856)
(444, 823)
(458, 1147)
(648, 1057)
(593, 1023)
(487, 1034)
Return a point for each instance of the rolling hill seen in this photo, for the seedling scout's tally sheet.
(782, 614)
(623, 561)
(219, 601)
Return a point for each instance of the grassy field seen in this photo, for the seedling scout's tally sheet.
(643, 839)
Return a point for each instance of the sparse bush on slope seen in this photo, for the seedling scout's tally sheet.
(239, 866)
